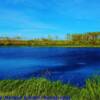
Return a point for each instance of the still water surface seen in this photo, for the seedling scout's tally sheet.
(69, 65)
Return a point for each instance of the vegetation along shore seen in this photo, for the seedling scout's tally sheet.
(90, 39)
(42, 87)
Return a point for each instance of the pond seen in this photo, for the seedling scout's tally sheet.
(69, 65)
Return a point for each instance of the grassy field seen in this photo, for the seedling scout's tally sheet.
(43, 87)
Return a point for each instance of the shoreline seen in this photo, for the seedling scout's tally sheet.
(55, 46)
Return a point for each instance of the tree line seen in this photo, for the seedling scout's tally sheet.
(80, 40)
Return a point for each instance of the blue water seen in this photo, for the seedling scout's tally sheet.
(69, 65)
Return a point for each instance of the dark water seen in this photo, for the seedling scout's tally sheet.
(69, 65)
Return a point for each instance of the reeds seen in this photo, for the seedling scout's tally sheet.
(43, 87)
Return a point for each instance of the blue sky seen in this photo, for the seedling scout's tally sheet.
(40, 18)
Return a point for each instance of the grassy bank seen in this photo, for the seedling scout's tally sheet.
(43, 87)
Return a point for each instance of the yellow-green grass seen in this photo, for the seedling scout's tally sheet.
(43, 87)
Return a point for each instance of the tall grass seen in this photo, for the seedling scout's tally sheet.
(43, 87)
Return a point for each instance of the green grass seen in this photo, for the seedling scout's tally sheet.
(43, 87)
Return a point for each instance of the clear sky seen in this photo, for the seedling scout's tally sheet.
(38, 18)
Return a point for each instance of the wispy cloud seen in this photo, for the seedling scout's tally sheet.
(47, 16)
(14, 19)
